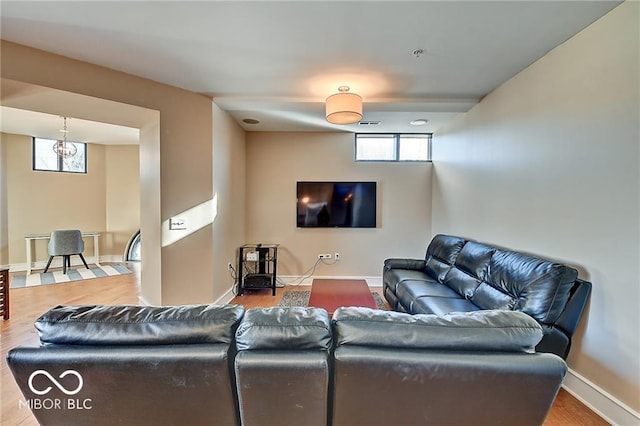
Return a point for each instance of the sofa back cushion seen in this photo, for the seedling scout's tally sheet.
(291, 328)
(441, 254)
(139, 325)
(470, 268)
(535, 286)
(490, 330)
(474, 259)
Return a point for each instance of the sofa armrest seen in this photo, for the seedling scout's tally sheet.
(570, 316)
(412, 264)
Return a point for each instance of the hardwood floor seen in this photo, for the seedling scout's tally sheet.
(29, 303)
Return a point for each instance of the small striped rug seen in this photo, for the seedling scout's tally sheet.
(20, 281)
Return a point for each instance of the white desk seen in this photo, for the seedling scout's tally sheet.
(29, 238)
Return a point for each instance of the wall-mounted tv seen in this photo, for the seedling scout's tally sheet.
(336, 205)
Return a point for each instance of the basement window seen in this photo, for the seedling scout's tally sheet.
(45, 159)
(397, 147)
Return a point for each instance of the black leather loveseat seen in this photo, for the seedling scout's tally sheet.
(219, 365)
(460, 275)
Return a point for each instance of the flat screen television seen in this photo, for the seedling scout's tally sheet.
(336, 204)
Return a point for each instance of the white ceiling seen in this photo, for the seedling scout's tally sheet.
(49, 126)
(37, 111)
(278, 61)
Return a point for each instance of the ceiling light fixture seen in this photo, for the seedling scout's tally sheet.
(63, 148)
(344, 107)
(251, 121)
(418, 122)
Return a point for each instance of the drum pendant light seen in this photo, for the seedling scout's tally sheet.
(344, 107)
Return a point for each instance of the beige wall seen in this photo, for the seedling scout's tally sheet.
(176, 167)
(105, 199)
(275, 161)
(122, 193)
(4, 222)
(150, 213)
(229, 192)
(549, 163)
(39, 202)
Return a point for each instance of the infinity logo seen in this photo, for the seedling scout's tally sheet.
(55, 382)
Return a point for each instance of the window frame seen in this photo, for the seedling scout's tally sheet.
(397, 139)
(60, 160)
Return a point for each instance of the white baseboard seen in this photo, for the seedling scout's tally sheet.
(111, 258)
(143, 301)
(57, 263)
(296, 280)
(600, 401)
(226, 297)
(222, 300)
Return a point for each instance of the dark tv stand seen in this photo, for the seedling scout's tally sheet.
(257, 264)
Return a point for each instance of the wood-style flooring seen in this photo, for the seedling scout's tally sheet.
(27, 304)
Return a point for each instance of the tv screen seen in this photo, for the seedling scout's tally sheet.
(336, 204)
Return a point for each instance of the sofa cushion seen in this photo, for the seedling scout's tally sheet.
(541, 288)
(488, 297)
(290, 328)
(139, 325)
(474, 259)
(475, 331)
(441, 254)
(436, 269)
(461, 282)
(445, 248)
(409, 290)
(470, 268)
(393, 277)
(441, 305)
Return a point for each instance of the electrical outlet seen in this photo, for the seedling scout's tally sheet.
(229, 266)
(337, 256)
(252, 256)
(324, 256)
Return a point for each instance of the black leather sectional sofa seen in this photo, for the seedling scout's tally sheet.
(204, 365)
(460, 275)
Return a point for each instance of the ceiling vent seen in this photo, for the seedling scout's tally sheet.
(369, 123)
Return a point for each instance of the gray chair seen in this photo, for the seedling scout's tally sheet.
(65, 243)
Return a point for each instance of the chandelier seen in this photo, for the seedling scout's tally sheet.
(343, 107)
(63, 148)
